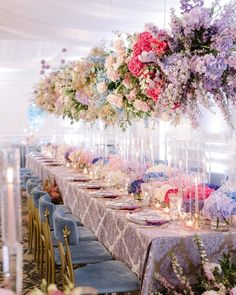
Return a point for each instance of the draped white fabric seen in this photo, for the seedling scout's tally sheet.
(31, 30)
(46, 26)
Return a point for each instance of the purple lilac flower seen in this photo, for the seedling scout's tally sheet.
(151, 28)
(175, 24)
(231, 60)
(186, 6)
(196, 19)
(224, 41)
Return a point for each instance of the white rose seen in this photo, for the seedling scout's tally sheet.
(67, 99)
(119, 44)
(211, 292)
(52, 288)
(102, 87)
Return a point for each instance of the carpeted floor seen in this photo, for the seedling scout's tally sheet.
(31, 275)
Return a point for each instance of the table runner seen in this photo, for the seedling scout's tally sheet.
(128, 242)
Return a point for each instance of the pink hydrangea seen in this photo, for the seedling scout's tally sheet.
(233, 291)
(135, 66)
(6, 292)
(153, 93)
(56, 292)
(85, 158)
(159, 47)
(145, 40)
(136, 49)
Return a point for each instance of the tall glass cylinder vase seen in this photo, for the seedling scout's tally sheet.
(11, 219)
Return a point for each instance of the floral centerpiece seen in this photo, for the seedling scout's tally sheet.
(52, 189)
(164, 74)
(69, 290)
(212, 278)
(79, 158)
(218, 208)
(194, 65)
(123, 88)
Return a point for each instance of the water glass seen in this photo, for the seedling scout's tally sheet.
(175, 202)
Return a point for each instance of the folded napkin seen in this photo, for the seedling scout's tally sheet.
(129, 207)
(156, 222)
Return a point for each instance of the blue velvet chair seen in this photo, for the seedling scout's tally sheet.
(37, 231)
(82, 252)
(31, 184)
(25, 171)
(106, 276)
(47, 210)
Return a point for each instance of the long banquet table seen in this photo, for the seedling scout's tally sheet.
(144, 249)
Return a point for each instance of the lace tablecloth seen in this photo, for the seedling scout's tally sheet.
(144, 250)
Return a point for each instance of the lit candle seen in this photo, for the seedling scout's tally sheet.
(11, 213)
(196, 195)
(166, 210)
(157, 205)
(180, 171)
(189, 223)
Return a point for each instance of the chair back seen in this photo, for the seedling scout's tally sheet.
(30, 183)
(45, 204)
(37, 194)
(60, 222)
(65, 230)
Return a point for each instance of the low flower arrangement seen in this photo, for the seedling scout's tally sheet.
(219, 208)
(69, 290)
(52, 189)
(211, 279)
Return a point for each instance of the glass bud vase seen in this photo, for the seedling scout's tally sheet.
(220, 225)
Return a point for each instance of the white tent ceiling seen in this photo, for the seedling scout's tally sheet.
(34, 29)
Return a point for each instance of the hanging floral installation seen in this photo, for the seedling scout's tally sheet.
(167, 74)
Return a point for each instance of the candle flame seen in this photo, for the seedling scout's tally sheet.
(9, 175)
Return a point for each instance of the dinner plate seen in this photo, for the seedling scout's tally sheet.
(124, 205)
(147, 218)
(93, 185)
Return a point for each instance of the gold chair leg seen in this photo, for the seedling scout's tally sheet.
(30, 232)
(35, 241)
(42, 260)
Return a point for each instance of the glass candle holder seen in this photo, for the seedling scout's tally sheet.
(11, 219)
